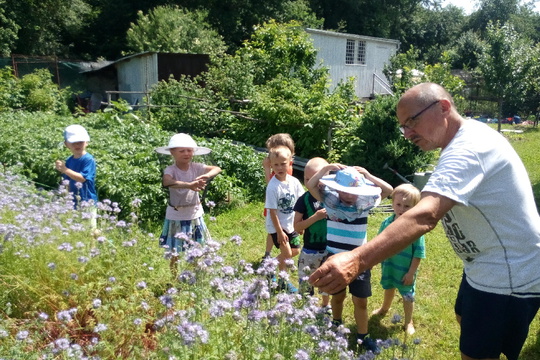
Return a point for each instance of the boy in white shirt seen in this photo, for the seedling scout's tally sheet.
(281, 194)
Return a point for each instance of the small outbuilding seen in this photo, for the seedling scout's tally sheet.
(358, 56)
(131, 77)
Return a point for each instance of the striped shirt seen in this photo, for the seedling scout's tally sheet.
(346, 224)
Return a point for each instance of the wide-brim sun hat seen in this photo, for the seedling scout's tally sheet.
(349, 180)
(182, 140)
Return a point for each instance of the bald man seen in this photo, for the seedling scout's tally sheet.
(478, 179)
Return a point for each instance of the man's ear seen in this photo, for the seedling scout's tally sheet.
(446, 105)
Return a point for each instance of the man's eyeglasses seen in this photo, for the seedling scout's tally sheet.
(410, 123)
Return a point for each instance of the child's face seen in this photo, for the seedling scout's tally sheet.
(280, 165)
(401, 204)
(308, 174)
(78, 149)
(346, 198)
(182, 155)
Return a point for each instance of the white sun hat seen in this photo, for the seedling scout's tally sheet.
(76, 133)
(182, 140)
(349, 180)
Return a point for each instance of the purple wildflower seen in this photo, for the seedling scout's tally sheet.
(236, 239)
(187, 277)
(191, 332)
(22, 335)
(301, 355)
(136, 203)
(100, 327)
(219, 307)
(167, 300)
(61, 344)
(396, 318)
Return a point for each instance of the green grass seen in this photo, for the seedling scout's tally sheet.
(438, 279)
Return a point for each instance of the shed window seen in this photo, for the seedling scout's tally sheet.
(355, 53)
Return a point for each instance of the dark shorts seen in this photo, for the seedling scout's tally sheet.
(294, 239)
(361, 286)
(492, 324)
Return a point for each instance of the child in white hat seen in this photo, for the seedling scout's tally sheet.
(184, 179)
(80, 167)
(347, 197)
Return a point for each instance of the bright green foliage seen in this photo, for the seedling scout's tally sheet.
(380, 142)
(281, 49)
(175, 30)
(128, 168)
(504, 66)
(403, 70)
(48, 27)
(465, 51)
(493, 11)
(440, 73)
(32, 92)
(8, 31)
(185, 107)
(268, 86)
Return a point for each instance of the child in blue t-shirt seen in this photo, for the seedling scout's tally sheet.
(80, 167)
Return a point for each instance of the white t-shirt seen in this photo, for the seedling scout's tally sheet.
(495, 227)
(282, 196)
(187, 202)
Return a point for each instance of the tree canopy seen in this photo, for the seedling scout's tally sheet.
(175, 30)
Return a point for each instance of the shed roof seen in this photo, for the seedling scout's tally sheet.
(352, 36)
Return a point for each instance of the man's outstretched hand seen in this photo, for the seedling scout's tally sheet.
(336, 272)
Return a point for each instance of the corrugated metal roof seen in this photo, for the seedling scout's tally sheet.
(351, 36)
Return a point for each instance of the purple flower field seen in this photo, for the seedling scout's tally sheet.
(70, 291)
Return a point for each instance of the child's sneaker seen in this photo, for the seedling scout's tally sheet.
(336, 323)
(370, 345)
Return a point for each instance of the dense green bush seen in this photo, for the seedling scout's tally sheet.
(377, 141)
(271, 85)
(33, 92)
(128, 166)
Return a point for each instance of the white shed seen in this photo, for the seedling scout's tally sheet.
(358, 56)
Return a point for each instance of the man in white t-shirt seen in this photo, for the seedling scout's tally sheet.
(479, 179)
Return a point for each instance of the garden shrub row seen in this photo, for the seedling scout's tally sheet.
(128, 166)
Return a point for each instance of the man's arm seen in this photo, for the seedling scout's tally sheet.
(340, 269)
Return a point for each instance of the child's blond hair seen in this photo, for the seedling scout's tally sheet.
(281, 139)
(408, 191)
(281, 150)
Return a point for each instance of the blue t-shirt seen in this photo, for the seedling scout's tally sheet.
(86, 166)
